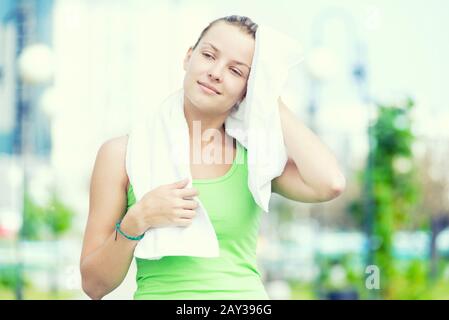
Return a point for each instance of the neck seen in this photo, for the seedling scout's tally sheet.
(205, 127)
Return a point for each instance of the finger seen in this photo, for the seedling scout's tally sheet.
(185, 204)
(189, 204)
(185, 213)
(180, 184)
(187, 192)
(188, 214)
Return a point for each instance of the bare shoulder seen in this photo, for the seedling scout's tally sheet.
(115, 146)
(107, 196)
(111, 157)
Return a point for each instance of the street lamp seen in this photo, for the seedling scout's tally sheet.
(35, 68)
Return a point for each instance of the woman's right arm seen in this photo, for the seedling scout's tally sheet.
(104, 260)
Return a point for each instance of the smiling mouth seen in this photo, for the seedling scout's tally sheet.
(207, 90)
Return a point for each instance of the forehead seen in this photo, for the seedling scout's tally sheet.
(231, 41)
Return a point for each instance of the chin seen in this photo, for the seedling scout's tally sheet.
(199, 102)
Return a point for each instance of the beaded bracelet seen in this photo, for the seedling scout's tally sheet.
(117, 228)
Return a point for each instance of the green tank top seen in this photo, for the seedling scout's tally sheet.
(234, 274)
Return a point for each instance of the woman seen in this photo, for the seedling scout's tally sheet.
(216, 68)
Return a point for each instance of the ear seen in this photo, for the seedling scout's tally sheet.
(187, 58)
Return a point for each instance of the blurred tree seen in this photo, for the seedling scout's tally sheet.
(39, 223)
(59, 217)
(45, 222)
(33, 220)
(340, 277)
(395, 185)
(411, 282)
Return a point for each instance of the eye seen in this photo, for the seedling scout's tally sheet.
(235, 71)
(207, 55)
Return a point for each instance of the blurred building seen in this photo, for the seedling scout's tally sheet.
(25, 29)
(23, 24)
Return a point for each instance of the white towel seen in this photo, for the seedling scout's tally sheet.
(158, 149)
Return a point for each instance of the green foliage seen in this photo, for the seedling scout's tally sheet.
(39, 223)
(9, 279)
(60, 216)
(48, 221)
(394, 184)
(339, 273)
(33, 219)
(411, 281)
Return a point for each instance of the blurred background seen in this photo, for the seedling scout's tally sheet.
(75, 73)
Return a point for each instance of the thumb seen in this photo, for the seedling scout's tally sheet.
(180, 184)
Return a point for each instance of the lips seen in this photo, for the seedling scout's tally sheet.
(209, 87)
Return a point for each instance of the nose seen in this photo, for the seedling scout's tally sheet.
(213, 78)
(215, 73)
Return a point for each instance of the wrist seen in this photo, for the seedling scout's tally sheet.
(130, 226)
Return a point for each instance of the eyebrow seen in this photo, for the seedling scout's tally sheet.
(237, 62)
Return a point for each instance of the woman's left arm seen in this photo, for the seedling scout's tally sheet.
(312, 173)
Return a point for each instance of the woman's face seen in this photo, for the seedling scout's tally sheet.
(221, 60)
